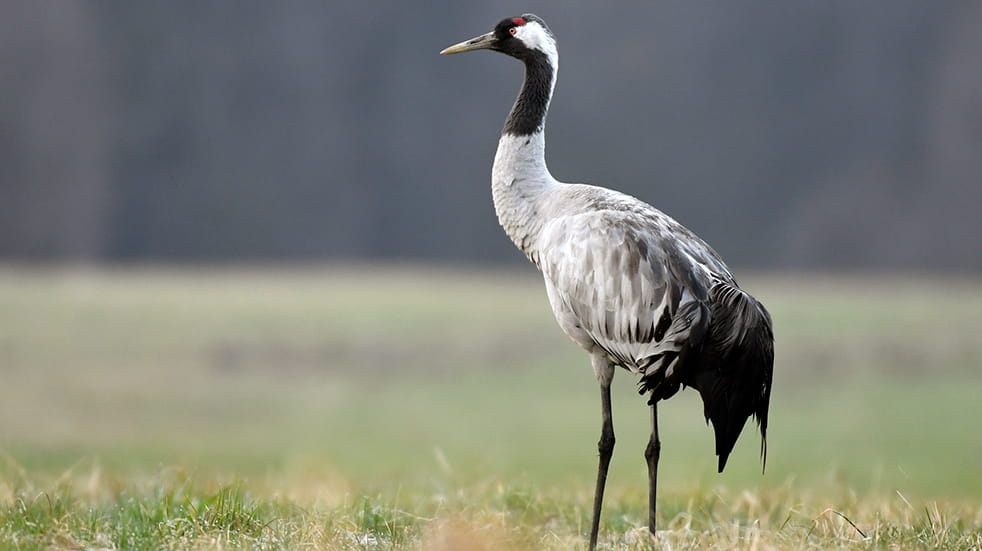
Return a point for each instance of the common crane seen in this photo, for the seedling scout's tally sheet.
(626, 282)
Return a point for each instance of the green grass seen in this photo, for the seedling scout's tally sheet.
(406, 408)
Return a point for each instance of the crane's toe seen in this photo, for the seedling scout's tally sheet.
(641, 536)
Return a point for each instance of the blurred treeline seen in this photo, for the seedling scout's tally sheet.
(788, 134)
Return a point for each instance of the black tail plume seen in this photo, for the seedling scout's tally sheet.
(733, 367)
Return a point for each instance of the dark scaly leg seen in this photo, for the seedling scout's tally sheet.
(651, 453)
(605, 446)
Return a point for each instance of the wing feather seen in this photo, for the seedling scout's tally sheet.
(619, 280)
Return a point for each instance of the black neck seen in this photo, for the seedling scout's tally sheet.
(528, 115)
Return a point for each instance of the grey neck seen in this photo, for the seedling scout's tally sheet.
(520, 185)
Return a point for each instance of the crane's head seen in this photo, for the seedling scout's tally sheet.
(520, 37)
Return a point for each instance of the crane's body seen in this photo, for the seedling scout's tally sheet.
(626, 282)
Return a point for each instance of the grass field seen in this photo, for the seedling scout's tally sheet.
(388, 407)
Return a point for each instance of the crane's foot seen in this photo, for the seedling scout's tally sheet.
(643, 537)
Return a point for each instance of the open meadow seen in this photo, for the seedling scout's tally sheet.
(405, 407)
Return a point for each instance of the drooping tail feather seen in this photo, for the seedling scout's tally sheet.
(727, 405)
(734, 367)
(731, 367)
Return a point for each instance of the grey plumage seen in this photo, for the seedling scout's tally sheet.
(629, 283)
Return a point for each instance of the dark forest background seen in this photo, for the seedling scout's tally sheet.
(824, 134)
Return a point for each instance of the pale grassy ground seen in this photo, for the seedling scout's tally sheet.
(407, 408)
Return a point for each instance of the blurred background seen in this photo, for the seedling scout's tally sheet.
(245, 233)
(815, 135)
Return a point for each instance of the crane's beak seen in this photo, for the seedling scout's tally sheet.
(482, 42)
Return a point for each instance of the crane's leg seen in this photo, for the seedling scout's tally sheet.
(605, 373)
(651, 453)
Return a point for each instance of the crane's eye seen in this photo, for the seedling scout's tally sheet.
(513, 31)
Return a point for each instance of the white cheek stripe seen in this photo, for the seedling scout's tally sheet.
(536, 37)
